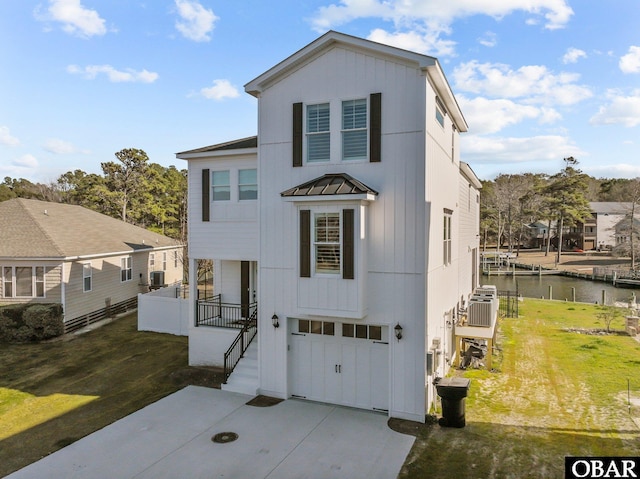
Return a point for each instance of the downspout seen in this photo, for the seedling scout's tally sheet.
(63, 289)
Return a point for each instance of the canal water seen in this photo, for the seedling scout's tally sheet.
(538, 287)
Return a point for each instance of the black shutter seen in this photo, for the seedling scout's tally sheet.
(297, 134)
(347, 244)
(375, 121)
(305, 243)
(205, 194)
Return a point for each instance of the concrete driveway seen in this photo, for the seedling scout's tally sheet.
(172, 438)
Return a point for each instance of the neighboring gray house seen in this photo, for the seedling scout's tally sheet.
(608, 214)
(88, 262)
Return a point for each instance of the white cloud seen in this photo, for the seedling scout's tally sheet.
(490, 116)
(6, 138)
(630, 63)
(619, 170)
(533, 83)
(573, 55)
(220, 90)
(75, 18)
(427, 42)
(116, 76)
(196, 22)
(489, 39)
(431, 19)
(496, 150)
(26, 161)
(621, 110)
(61, 147)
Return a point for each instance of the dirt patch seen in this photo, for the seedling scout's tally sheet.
(411, 428)
(197, 376)
(264, 401)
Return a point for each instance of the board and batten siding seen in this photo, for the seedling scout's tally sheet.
(232, 230)
(395, 223)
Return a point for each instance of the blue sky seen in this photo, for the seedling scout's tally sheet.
(537, 80)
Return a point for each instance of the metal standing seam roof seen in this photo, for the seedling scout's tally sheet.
(330, 185)
(41, 229)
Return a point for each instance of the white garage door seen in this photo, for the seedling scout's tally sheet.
(339, 363)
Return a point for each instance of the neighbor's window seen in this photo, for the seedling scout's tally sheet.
(354, 130)
(318, 137)
(152, 261)
(23, 282)
(220, 189)
(125, 269)
(175, 259)
(326, 242)
(446, 247)
(248, 184)
(164, 261)
(87, 274)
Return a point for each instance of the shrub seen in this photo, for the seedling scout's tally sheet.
(30, 322)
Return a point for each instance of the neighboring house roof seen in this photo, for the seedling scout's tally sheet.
(241, 144)
(41, 229)
(330, 185)
(610, 207)
(330, 39)
(623, 225)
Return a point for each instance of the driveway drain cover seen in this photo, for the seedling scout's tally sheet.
(224, 437)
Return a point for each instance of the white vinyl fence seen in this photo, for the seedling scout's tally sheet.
(164, 310)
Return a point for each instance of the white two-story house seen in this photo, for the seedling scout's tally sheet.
(346, 231)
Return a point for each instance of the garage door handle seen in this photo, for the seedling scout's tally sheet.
(336, 368)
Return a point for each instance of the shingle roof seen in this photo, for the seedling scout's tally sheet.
(242, 143)
(329, 185)
(610, 207)
(40, 229)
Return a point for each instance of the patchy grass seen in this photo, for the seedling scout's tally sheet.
(554, 393)
(54, 393)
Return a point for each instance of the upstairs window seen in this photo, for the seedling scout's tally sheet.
(354, 130)
(248, 184)
(220, 188)
(318, 136)
(441, 111)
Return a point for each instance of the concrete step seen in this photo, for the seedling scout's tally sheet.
(244, 378)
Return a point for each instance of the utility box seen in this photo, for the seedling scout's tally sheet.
(453, 392)
(156, 279)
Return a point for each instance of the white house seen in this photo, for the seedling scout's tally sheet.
(348, 228)
(608, 214)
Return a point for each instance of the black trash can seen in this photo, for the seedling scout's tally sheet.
(453, 392)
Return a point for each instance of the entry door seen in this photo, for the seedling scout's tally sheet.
(244, 288)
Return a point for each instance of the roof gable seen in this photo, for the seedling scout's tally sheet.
(41, 229)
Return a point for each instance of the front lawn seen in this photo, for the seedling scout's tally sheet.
(554, 393)
(53, 393)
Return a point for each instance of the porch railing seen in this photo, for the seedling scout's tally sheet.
(213, 312)
(240, 344)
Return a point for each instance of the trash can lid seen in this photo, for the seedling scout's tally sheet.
(453, 382)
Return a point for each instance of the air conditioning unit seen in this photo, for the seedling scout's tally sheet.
(486, 290)
(482, 311)
(157, 279)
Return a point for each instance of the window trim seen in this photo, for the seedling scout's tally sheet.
(365, 129)
(310, 134)
(85, 277)
(240, 184)
(36, 284)
(126, 269)
(152, 261)
(315, 244)
(447, 238)
(221, 187)
(164, 261)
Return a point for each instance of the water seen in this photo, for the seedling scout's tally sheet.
(538, 286)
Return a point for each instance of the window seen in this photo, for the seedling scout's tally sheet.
(164, 261)
(325, 328)
(248, 184)
(220, 189)
(175, 259)
(446, 247)
(23, 282)
(318, 136)
(354, 130)
(440, 112)
(361, 331)
(125, 269)
(152, 261)
(87, 273)
(326, 242)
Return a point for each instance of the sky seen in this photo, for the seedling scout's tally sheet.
(537, 80)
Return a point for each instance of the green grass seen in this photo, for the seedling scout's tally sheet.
(54, 393)
(554, 393)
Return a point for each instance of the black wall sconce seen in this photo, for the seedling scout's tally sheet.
(274, 321)
(398, 330)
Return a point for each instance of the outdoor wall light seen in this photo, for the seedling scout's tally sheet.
(274, 321)
(398, 330)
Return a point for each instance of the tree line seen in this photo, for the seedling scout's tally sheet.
(131, 189)
(511, 202)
